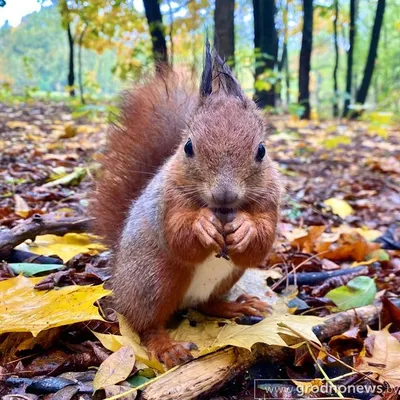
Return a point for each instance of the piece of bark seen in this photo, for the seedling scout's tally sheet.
(39, 225)
(203, 375)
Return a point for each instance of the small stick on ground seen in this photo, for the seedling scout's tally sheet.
(40, 225)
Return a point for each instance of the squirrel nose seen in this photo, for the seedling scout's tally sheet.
(224, 197)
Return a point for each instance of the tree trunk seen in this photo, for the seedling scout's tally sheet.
(335, 69)
(350, 52)
(266, 41)
(80, 71)
(285, 50)
(373, 50)
(224, 29)
(157, 31)
(305, 58)
(71, 73)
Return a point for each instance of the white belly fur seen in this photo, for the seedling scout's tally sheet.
(205, 279)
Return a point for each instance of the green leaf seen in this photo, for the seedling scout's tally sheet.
(71, 179)
(379, 254)
(30, 269)
(359, 292)
(137, 380)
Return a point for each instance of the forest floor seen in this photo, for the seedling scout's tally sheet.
(341, 211)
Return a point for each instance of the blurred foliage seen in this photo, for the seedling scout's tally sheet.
(116, 48)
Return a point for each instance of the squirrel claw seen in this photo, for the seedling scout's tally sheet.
(208, 230)
(244, 305)
(177, 353)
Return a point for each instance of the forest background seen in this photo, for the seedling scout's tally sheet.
(340, 57)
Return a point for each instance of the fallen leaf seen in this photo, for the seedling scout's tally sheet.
(21, 207)
(70, 131)
(306, 243)
(210, 336)
(116, 368)
(347, 344)
(334, 142)
(30, 269)
(27, 310)
(115, 342)
(339, 207)
(66, 246)
(71, 179)
(385, 360)
(358, 292)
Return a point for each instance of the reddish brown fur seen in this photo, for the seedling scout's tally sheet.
(154, 265)
(152, 117)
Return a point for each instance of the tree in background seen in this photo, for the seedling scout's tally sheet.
(224, 31)
(350, 52)
(305, 58)
(157, 31)
(66, 21)
(335, 69)
(266, 45)
(373, 50)
(71, 69)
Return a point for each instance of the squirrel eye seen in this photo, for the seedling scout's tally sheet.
(189, 148)
(260, 152)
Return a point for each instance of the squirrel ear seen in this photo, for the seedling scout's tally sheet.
(218, 76)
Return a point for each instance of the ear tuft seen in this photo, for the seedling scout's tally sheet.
(218, 76)
(206, 76)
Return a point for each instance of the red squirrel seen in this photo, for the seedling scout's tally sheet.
(174, 168)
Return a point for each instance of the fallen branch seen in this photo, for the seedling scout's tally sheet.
(38, 225)
(341, 322)
(314, 278)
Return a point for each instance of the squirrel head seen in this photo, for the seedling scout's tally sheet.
(224, 155)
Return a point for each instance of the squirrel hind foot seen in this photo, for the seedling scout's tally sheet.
(166, 350)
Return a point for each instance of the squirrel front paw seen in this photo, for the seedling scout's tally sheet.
(239, 233)
(208, 230)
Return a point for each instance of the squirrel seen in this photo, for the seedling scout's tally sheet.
(187, 200)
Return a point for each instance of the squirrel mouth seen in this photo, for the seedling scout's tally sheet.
(223, 210)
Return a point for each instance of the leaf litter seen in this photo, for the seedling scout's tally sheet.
(340, 216)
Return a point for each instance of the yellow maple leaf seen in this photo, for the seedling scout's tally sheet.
(24, 309)
(209, 335)
(66, 246)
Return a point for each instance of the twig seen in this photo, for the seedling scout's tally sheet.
(38, 225)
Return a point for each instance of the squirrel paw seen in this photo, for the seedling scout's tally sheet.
(176, 353)
(245, 305)
(209, 230)
(240, 232)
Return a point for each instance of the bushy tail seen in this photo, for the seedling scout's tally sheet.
(153, 116)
